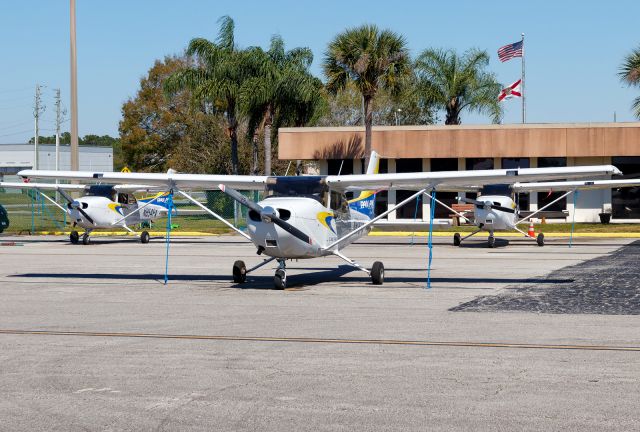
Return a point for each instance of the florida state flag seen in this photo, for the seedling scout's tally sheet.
(512, 91)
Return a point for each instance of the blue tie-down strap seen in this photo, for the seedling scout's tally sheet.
(432, 216)
(170, 207)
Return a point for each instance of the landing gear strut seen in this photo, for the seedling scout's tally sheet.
(85, 238)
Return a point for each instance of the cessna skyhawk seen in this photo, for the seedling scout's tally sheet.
(496, 210)
(102, 206)
(310, 216)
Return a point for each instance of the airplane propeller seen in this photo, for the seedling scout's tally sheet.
(74, 204)
(267, 214)
(487, 204)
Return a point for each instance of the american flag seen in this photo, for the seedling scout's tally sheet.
(510, 51)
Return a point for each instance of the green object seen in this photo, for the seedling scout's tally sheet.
(4, 219)
(175, 226)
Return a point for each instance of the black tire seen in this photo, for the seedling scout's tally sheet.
(491, 242)
(280, 280)
(239, 272)
(74, 237)
(457, 239)
(540, 239)
(377, 273)
(144, 237)
(86, 239)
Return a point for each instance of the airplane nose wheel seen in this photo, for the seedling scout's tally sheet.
(457, 239)
(491, 241)
(280, 278)
(74, 237)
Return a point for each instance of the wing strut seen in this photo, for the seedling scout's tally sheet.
(546, 206)
(375, 219)
(137, 210)
(215, 215)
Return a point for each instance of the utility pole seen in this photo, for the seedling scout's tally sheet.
(58, 121)
(37, 110)
(74, 90)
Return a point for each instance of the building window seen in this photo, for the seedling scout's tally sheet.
(339, 166)
(478, 164)
(449, 198)
(522, 199)
(412, 209)
(545, 198)
(625, 202)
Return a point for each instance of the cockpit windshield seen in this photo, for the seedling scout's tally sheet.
(102, 191)
(496, 189)
(297, 186)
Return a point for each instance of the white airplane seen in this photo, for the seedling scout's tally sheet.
(496, 210)
(310, 216)
(102, 206)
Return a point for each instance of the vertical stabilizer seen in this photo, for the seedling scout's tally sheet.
(365, 203)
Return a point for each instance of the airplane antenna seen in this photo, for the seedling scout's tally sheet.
(341, 163)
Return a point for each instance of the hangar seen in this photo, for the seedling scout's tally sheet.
(16, 157)
(467, 147)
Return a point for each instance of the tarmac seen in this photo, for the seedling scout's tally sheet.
(519, 337)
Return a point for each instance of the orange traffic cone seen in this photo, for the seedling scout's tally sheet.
(531, 232)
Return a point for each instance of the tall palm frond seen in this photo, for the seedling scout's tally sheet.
(456, 83)
(630, 73)
(371, 59)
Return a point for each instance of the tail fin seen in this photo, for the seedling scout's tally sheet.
(161, 199)
(365, 203)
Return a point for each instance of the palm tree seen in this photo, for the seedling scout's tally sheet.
(215, 79)
(370, 58)
(456, 83)
(630, 73)
(280, 85)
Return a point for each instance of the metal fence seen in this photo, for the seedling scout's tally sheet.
(30, 213)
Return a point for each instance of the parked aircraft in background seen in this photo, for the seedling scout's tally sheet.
(102, 206)
(496, 210)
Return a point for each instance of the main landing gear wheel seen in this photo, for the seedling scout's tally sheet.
(491, 242)
(74, 237)
(280, 279)
(239, 272)
(540, 239)
(377, 273)
(457, 239)
(85, 239)
(144, 237)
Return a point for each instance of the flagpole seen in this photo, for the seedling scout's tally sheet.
(524, 93)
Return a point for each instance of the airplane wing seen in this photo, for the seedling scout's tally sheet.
(449, 180)
(42, 186)
(166, 180)
(571, 185)
(445, 180)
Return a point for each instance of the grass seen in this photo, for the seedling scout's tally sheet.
(546, 228)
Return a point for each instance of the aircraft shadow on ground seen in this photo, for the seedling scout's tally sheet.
(313, 276)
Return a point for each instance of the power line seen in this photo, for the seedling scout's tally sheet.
(15, 90)
(14, 125)
(16, 133)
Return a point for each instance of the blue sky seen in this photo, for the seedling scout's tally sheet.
(573, 48)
